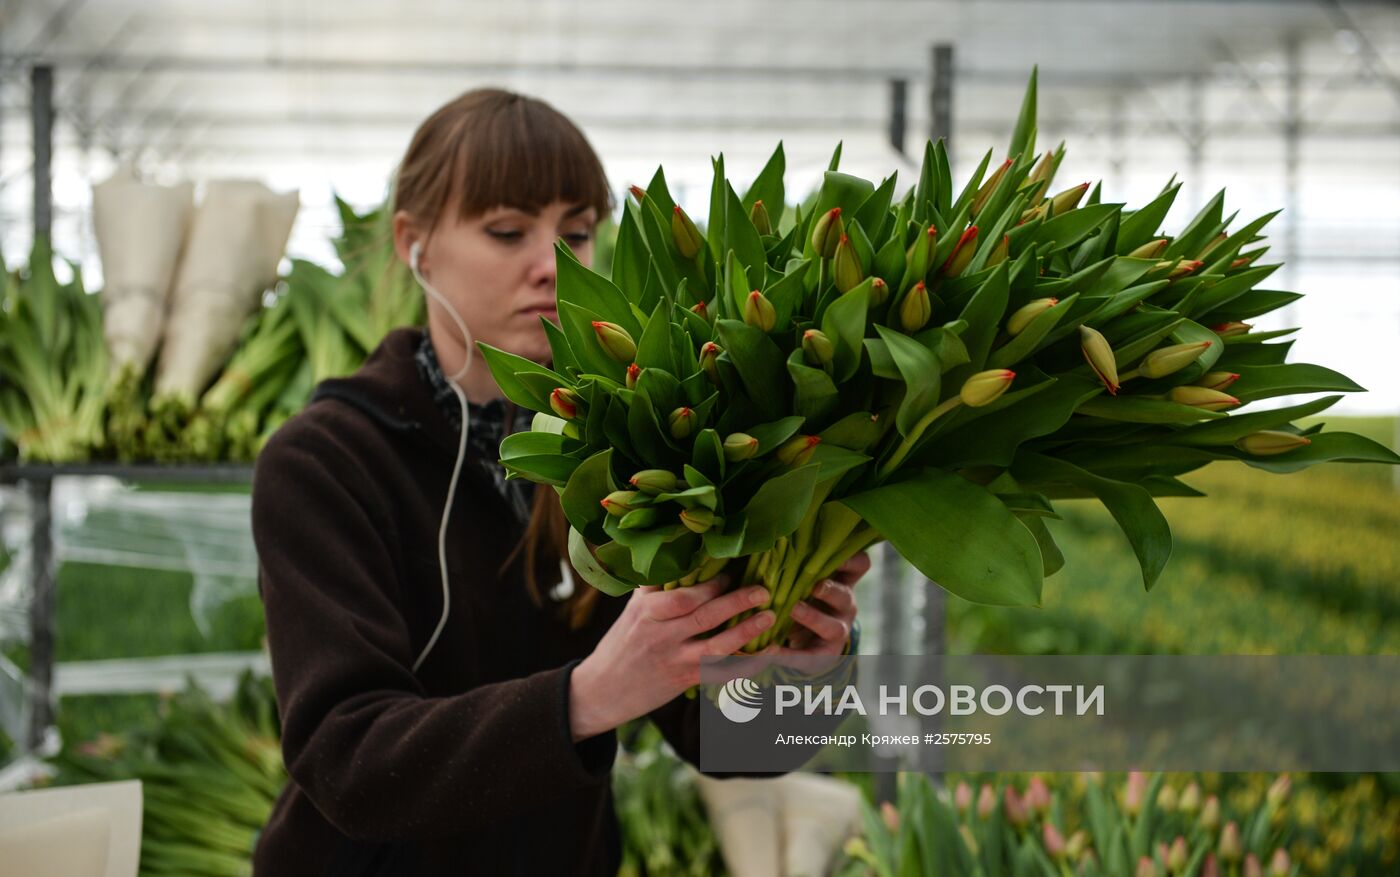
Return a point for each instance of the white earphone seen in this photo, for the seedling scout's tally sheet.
(414, 254)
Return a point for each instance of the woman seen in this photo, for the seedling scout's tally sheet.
(484, 747)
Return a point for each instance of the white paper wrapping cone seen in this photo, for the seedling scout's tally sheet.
(140, 228)
(747, 823)
(72, 831)
(819, 814)
(235, 243)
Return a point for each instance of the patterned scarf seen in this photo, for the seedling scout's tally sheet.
(488, 428)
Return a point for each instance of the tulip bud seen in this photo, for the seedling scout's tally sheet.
(1054, 843)
(1099, 355)
(1038, 796)
(962, 254)
(1225, 330)
(915, 310)
(701, 310)
(709, 352)
(826, 233)
(1210, 813)
(1190, 800)
(1032, 213)
(1077, 844)
(879, 291)
(1218, 380)
(758, 215)
(615, 341)
(986, 802)
(1068, 199)
(564, 402)
(654, 481)
(1134, 792)
(890, 816)
(638, 519)
(634, 371)
(739, 446)
(1162, 851)
(684, 233)
(1023, 316)
(1278, 790)
(638, 192)
(817, 349)
(1166, 799)
(846, 270)
(1145, 868)
(1178, 855)
(985, 387)
(759, 312)
(1279, 865)
(620, 502)
(698, 519)
(681, 422)
(1182, 268)
(1202, 397)
(920, 255)
(980, 199)
(962, 796)
(1149, 250)
(1231, 848)
(1252, 868)
(1015, 808)
(1210, 867)
(797, 450)
(1168, 360)
(1000, 252)
(1268, 442)
(1241, 262)
(1041, 171)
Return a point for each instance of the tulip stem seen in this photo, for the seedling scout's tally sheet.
(914, 435)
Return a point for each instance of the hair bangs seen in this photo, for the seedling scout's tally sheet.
(523, 153)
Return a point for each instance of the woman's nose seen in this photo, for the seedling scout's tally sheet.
(542, 265)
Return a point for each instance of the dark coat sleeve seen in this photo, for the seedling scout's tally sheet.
(376, 755)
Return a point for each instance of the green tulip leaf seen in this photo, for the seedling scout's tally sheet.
(1131, 506)
(957, 534)
(582, 496)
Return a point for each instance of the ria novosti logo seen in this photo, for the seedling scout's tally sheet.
(740, 700)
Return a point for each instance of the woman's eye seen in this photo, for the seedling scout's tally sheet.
(578, 238)
(503, 234)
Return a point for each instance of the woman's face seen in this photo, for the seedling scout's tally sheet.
(497, 270)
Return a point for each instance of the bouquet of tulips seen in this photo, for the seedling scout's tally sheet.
(786, 387)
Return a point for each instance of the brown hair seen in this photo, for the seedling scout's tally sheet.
(487, 148)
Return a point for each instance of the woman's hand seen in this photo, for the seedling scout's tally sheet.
(824, 620)
(652, 652)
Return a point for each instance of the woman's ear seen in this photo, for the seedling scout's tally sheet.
(406, 233)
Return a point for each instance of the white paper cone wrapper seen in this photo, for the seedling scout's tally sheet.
(235, 243)
(819, 814)
(747, 823)
(140, 228)
(91, 830)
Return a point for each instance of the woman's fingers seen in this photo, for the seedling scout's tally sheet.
(856, 566)
(730, 641)
(828, 628)
(841, 597)
(677, 602)
(722, 608)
